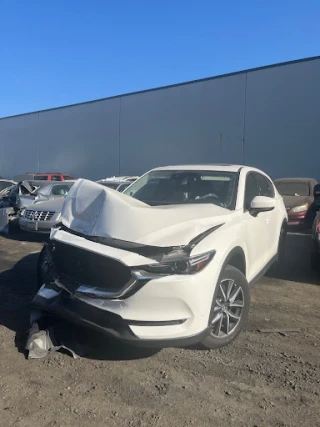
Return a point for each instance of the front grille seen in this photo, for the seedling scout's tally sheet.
(38, 215)
(79, 266)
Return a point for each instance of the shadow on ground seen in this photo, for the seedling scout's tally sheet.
(297, 264)
(15, 233)
(18, 287)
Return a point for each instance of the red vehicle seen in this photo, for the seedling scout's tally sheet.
(52, 176)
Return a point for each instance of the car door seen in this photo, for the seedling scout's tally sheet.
(257, 229)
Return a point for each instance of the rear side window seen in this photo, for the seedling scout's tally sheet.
(56, 178)
(67, 178)
(41, 178)
(60, 190)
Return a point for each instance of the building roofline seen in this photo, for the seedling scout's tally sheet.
(250, 70)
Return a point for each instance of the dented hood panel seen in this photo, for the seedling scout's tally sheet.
(94, 210)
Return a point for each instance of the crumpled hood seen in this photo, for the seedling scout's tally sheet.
(94, 210)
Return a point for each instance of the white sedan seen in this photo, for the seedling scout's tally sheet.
(170, 261)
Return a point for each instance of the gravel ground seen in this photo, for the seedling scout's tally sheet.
(263, 379)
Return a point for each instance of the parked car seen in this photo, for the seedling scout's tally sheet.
(121, 187)
(35, 176)
(128, 178)
(5, 183)
(297, 194)
(10, 197)
(120, 178)
(115, 184)
(49, 191)
(42, 216)
(170, 261)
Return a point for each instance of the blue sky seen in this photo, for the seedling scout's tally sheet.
(68, 51)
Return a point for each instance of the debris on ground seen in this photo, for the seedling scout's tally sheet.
(283, 332)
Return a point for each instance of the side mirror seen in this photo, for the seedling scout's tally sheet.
(262, 204)
(316, 191)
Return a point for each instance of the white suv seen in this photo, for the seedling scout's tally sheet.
(170, 261)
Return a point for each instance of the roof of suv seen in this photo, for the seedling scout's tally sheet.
(45, 173)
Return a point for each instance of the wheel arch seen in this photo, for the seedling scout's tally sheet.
(236, 258)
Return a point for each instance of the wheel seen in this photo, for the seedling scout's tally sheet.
(230, 308)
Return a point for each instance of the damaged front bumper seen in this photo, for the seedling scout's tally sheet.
(92, 313)
(112, 293)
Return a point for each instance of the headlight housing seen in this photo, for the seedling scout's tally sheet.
(301, 208)
(183, 265)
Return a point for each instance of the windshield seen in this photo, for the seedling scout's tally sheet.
(171, 187)
(293, 188)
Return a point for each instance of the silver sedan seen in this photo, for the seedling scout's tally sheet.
(41, 217)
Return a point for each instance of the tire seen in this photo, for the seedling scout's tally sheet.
(220, 310)
(281, 254)
(282, 246)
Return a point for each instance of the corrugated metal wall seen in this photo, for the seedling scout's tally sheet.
(267, 118)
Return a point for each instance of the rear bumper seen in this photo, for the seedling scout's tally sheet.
(60, 304)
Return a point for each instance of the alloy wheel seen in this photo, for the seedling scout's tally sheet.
(228, 308)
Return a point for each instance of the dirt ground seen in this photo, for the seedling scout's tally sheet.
(263, 379)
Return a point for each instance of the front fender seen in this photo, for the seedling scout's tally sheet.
(227, 241)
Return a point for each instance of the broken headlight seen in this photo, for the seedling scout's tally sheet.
(187, 265)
